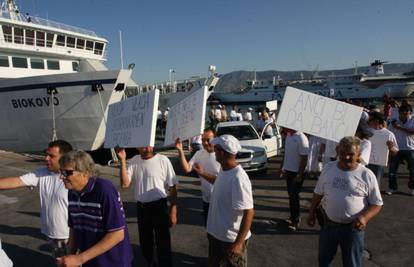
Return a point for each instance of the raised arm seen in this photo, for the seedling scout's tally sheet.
(123, 174)
(183, 161)
(11, 183)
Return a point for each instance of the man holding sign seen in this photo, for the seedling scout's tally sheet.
(155, 180)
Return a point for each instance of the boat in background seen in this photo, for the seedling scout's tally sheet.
(53, 83)
(372, 85)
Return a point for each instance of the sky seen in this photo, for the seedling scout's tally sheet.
(189, 35)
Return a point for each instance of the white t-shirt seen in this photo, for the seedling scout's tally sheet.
(153, 177)
(53, 202)
(296, 145)
(159, 115)
(346, 194)
(232, 194)
(365, 149)
(217, 114)
(330, 148)
(239, 116)
(248, 116)
(210, 165)
(233, 115)
(405, 141)
(4, 259)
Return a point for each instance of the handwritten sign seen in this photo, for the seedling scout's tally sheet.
(186, 118)
(132, 122)
(379, 149)
(271, 105)
(318, 115)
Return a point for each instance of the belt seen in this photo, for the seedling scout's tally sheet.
(326, 222)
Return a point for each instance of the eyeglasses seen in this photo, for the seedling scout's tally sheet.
(66, 173)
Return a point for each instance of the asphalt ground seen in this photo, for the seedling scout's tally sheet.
(389, 236)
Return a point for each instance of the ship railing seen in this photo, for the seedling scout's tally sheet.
(29, 42)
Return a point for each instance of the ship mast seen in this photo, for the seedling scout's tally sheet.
(13, 10)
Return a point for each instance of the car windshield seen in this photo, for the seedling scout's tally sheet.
(241, 132)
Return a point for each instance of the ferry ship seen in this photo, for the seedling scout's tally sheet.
(372, 85)
(53, 83)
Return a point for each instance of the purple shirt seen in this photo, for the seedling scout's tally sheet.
(94, 213)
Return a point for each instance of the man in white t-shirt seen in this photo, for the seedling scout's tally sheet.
(350, 197)
(155, 180)
(376, 123)
(293, 170)
(248, 115)
(403, 128)
(205, 164)
(53, 196)
(231, 207)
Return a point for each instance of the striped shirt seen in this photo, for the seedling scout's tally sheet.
(95, 212)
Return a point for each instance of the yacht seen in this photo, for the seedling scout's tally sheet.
(368, 86)
(54, 83)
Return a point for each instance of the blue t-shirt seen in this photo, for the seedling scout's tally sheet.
(94, 213)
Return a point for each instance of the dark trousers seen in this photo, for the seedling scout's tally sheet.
(206, 206)
(394, 162)
(153, 224)
(218, 254)
(294, 185)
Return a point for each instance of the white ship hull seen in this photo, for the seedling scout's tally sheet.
(26, 112)
(395, 90)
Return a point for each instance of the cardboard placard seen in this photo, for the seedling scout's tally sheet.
(318, 115)
(132, 122)
(271, 105)
(187, 118)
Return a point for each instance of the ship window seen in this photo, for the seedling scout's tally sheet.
(7, 32)
(4, 61)
(89, 45)
(75, 66)
(70, 41)
(19, 62)
(80, 43)
(18, 35)
(37, 63)
(29, 37)
(53, 65)
(60, 40)
(40, 38)
(98, 48)
(49, 39)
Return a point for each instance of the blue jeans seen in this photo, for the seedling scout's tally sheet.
(351, 241)
(378, 171)
(394, 162)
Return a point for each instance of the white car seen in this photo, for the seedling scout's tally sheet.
(256, 148)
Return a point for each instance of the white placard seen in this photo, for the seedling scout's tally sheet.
(318, 115)
(271, 105)
(186, 118)
(379, 149)
(132, 122)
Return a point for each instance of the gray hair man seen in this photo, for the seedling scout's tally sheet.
(351, 198)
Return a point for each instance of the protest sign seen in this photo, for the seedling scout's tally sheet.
(271, 105)
(318, 115)
(186, 118)
(132, 122)
(379, 149)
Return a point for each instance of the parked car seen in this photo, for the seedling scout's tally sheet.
(256, 148)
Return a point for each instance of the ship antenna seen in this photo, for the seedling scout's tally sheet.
(356, 67)
(121, 49)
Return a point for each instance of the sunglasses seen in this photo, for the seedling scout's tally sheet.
(66, 173)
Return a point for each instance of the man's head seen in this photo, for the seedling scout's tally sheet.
(404, 112)
(75, 169)
(208, 134)
(146, 152)
(348, 151)
(226, 147)
(54, 151)
(376, 120)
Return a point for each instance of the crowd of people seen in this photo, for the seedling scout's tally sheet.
(83, 218)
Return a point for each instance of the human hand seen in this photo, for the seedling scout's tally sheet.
(390, 144)
(69, 261)
(311, 219)
(360, 223)
(178, 144)
(120, 152)
(235, 249)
